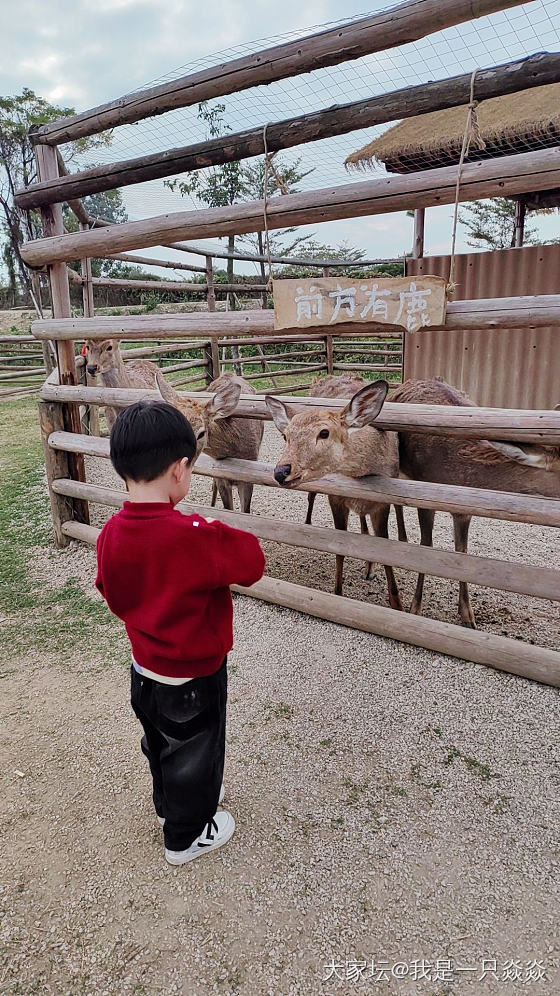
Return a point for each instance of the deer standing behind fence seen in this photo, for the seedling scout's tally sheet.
(472, 463)
(105, 360)
(322, 442)
(220, 435)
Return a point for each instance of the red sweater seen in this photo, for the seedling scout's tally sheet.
(167, 576)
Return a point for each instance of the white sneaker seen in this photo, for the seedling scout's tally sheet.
(161, 819)
(217, 832)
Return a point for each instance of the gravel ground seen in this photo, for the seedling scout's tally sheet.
(392, 804)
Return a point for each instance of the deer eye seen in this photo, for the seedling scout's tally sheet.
(109, 348)
(324, 434)
(200, 433)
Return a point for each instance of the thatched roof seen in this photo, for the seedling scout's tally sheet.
(517, 122)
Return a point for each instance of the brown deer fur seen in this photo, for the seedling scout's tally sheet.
(105, 360)
(334, 387)
(217, 433)
(497, 466)
(321, 442)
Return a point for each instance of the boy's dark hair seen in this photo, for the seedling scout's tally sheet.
(147, 438)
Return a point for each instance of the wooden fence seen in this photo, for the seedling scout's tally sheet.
(65, 445)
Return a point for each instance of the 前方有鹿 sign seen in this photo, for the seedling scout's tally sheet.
(412, 303)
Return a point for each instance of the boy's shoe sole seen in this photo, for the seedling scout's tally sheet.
(215, 834)
(161, 819)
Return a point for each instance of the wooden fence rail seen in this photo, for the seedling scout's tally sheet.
(531, 426)
(399, 25)
(418, 494)
(504, 177)
(538, 311)
(499, 652)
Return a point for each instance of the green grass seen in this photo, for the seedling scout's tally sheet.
(61, 621)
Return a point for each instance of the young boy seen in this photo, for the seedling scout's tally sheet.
(167, 576)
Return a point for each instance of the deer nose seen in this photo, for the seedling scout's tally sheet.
(92, 369)
(282, 472)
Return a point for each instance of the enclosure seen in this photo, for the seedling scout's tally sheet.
(396, 803)
(66, 444)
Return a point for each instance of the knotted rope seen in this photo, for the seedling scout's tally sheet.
(472, 132)
(269, 166)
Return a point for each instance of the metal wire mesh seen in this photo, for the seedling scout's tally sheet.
(496, 38)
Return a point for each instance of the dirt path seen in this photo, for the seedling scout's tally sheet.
(392, 804)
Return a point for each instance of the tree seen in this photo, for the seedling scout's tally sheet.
(491, 224)
(108, 205)
(318, 250)
(222, 186)
(216, 186)
(17, 167)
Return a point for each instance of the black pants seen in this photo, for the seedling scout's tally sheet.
(184, 741)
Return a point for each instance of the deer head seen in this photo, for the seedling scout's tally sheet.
(102, 355)
(320, 442)
(202, 414)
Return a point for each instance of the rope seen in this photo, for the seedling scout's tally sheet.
(267, 165)
(472, 131)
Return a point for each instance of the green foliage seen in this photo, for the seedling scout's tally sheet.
(319, 250)
(491, 224)
(18, 115)
(38, 619)
(150, 301)
(221, 186)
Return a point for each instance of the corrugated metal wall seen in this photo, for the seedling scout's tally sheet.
(507, 368)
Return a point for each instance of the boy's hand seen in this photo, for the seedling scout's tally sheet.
(208, 519)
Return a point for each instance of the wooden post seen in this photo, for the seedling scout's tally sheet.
(210, 358)
(47, 169)
(418, 246)
(520, 210)
(326, 271)
(210, 293)
(215, 357)
(92, 412)
(57, 465)
(329, 353)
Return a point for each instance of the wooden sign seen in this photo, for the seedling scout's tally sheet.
(410, 302)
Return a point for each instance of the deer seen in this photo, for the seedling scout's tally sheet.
(497, 466)
(334, 387)
(220, 435)
(105, 360)
(321, 442)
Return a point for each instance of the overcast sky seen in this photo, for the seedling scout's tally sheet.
(85, 52)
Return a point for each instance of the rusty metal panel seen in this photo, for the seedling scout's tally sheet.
(506, 368)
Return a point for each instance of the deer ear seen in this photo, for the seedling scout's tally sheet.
(280, 414)
(166, 390)
(535, 458)
(225, 400)
(556, 408)
(365, 406)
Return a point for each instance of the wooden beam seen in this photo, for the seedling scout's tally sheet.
(398, 26)
(51, 217)
(534, 71)
(171, 285)
(520, 211)
(532, 426)
(539, 582)
(418, 244)
(418, 494)
(284, 260)
(148, 261)
(499, 652)
(540, 311)
(505, 177)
